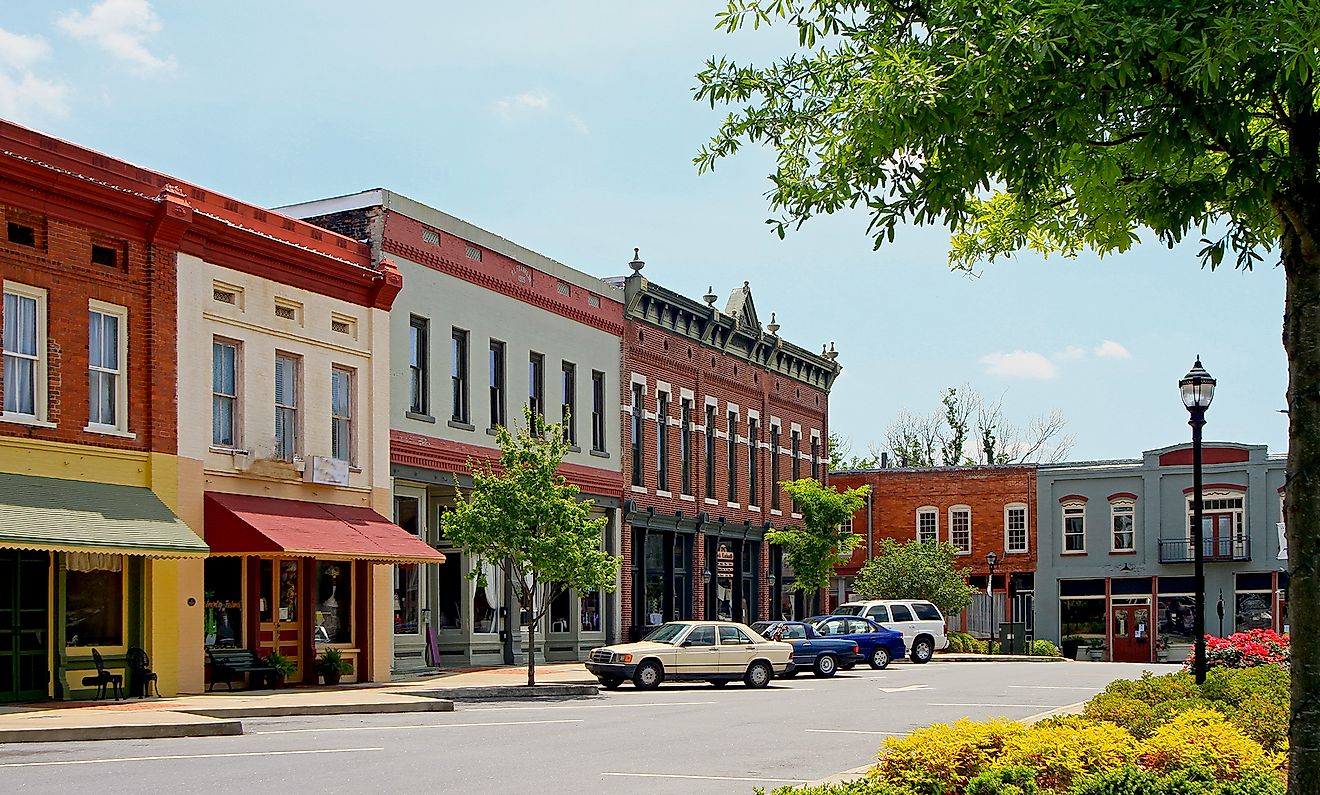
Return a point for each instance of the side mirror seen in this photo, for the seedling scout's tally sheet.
(685, 644)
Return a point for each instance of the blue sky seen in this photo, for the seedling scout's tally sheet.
(569, 127)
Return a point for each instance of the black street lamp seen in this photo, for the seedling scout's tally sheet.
(991, 560)
(1198, 389)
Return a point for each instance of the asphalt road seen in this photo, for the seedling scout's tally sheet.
(680, 738)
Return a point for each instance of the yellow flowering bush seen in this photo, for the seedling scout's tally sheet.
(941, 759)
(1064, 750)
(1202, 738)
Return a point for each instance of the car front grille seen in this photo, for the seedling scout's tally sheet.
(601, 655)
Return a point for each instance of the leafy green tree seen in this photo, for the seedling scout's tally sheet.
(816, 548)
(524, 515)
(916, 570)
(1060, 126)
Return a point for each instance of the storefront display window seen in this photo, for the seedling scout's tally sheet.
(334, 601)
(223, 619)
(724, 581)
(486, 600)
(1082, 618)
(590, 616)
(450, 584)
(1177, 614)
(288, 602)
(682, 563)
(560, 609)
(750, 590)
(655, 578)
(407, 576)
(1254, 602)
(94, 593)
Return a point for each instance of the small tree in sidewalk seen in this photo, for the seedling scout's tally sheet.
(523, 515)
(925, 570)
(814, 550)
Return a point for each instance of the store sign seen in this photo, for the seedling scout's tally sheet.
(724, 562)
(328, 471)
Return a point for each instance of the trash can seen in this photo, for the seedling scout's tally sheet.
(1012, 637)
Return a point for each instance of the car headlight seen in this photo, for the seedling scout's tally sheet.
(623, 658)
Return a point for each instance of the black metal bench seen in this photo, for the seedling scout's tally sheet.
(231, 664)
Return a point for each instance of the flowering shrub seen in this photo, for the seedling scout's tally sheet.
(1043, 648)
(1064, 750)
(942, 758)
(1245, 650)
(1202, 738)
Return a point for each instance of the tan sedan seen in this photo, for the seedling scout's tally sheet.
(718, 652)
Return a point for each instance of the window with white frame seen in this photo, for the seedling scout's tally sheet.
(960, 529)
(106, 346)
(1123, 519)
(286, 407)
(1223, 528)
(224, 394)
(341, 411)
(1015, 527)
(928, 524)
(23, 338)
(1074, 527)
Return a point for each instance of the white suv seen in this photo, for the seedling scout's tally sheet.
(923, 626)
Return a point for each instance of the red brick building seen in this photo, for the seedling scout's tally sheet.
(978, 509)
(716, 411)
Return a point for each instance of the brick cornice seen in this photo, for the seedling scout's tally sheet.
(459, 270)
(428, 452)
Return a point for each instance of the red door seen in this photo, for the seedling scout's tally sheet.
(1130, 633)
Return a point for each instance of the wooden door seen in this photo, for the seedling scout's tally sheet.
(1129, 632)
(24, 616)
(279, 618)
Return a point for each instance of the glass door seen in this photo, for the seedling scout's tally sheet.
(279, 611)
(24, 616)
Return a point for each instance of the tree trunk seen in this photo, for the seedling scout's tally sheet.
(533, 618)
(1301, 340)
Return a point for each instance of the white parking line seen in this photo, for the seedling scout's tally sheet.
(1050, 687)
(186, 756)
(418, 726)
(855, 731)
(709, 778)
(590, 706)
(973, 704)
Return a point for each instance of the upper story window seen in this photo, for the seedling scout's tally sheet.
(960, 529)
(1122, 516)
(568, 401)
(662, 441)
(1015, 527)
(287, 387)
(536, 385)
(224, 394)
(685, 446)
(753, 454)
(774, 467)
(1223, 523)
(419, 332)
(24, 341)
(497, 401)
(797, 454)
(638, 417)
(458, 377)
(341, 409)
(106, 350)
(815, 458)
(847, 526)
(597, 411)
(1074, 527)
(733, 456)
(928, 524)
(710, 452)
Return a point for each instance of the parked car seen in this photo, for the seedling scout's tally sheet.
(811, 651)
(718, 652)
(877, 645)
(923, 626)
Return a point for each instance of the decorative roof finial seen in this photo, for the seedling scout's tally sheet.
(637, 263)
(822, 349)
(833, 354)
(710, 297)
(747, 285)
(772, 326)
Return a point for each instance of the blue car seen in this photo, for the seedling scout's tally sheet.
(811, 651)
(878, 645)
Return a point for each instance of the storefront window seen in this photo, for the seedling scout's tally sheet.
(450, 583)
(1082, 618)
(288, 604)
(682, 591)
(1177, 618)
(486, 600)
(750, 591)
(407, 576)
(655, 578)
(560, 609)
(94, 594)
(590, 611)
(224, 602)
(334, 601)
(1254, 602)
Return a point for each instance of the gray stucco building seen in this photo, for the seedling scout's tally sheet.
(1115, 560)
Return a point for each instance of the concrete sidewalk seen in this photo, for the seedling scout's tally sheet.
(217, 713)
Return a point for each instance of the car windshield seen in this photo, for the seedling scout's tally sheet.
(849, 610)
(762, 626)
(665, 633)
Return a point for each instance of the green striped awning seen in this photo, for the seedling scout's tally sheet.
(75, 516)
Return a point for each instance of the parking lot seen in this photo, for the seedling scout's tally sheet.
(692, 738)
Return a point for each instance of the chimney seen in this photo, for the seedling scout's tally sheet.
(884, 460)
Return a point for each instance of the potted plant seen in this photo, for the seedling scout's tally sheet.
(1071, 644)
(284, 668)
(332, 665)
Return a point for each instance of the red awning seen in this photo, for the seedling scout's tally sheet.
(240, 524)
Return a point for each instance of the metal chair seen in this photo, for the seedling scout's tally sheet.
(142, 677)
(103, 679)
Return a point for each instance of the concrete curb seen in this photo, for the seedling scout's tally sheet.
(431, 704)
(994, 658)
(149, 731)
(502, 692)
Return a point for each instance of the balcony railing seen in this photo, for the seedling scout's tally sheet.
(1181, 550)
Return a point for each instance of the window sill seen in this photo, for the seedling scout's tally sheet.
(599, 453)
(462, 426)
(728, 504)
(412, 415)
(660, 493)
(106, 430)
(492, 431)
(1074, 552)
(687, 498)
(26, 419)
(1017, 552)
(776, 512)
(795, 515)
(1122, 552)
(638, 489)
(572, 448)
(756, 508)
(709, 501)
(228, 450)
(963, 552)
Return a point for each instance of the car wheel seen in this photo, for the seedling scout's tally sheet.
(719, 682)
(826, 666)
(758, 675)
(648, 675)
(611, 682)
(922, 650)
(880, 658)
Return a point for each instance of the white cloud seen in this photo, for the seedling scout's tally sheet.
(1070, 354)
(23, 95)
(1019, 364)
(1112, 350)
(527, 104)
(21, 52)
(121, 28)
